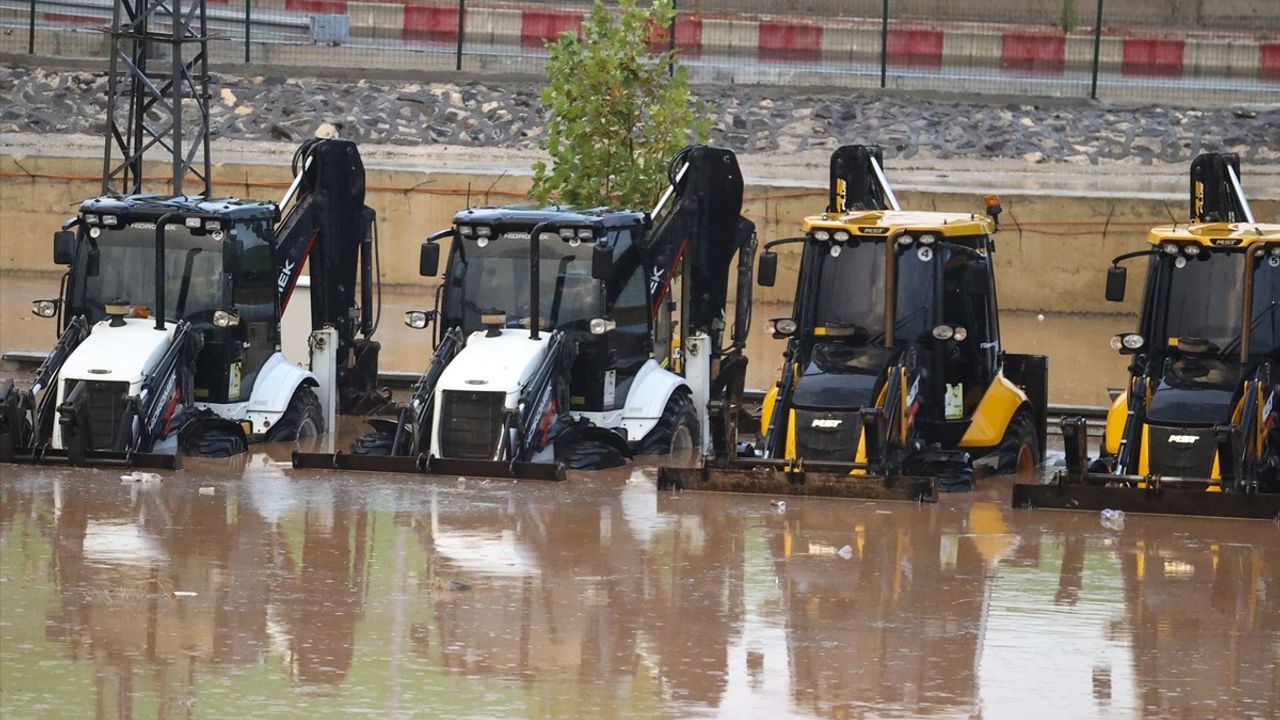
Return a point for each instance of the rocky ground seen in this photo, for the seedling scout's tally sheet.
(748, 119)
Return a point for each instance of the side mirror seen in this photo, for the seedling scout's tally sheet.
(92, 262)
(230, 256)
(429, 259)
(601, 262)
(767, 271)
(64, 247)
(1116, 276)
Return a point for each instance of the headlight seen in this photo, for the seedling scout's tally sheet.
(600, 326)
(841, 236)
(905, 240)
(1169, 248)
(415, 319)
(192, 222)
(91, 219)
(836, 250)
(111, 220)
(44, 308)
(586, 233)
(483, 231)
(1132, 341)
(928, 239)
(482, 241)
(224, 319)
(1275, 251)
(94, 232)
(960, 334)
(943, 332)
(466, 230)
(212, 225)
(785, 326)
(1191, 250)
(822, 235)
(566, 233)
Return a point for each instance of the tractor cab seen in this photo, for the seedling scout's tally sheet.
(216, 275)
(879, 288)
(585, 275)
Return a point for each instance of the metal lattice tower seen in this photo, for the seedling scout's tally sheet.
(158, 97)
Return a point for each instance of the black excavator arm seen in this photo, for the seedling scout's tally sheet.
(330, 227)
(698, 236)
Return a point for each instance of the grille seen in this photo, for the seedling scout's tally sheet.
(104, 403)
(826, 435)
(1186, 458)
(470, 423)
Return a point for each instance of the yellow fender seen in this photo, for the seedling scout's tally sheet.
(994, 413)
(1117, 414)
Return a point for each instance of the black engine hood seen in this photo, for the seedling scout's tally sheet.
(841, 377)
(1195, 393)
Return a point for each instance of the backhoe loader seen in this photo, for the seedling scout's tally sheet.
(1195, 432)
(170, 323)
(554, 335)
(894, 378)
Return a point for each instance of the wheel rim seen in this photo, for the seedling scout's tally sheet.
(308, 428)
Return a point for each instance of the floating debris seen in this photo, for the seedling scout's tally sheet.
(143, 477)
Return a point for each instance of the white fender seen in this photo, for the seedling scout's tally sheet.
(647, 398)
(277, 381)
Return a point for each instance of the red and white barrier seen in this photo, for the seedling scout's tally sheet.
(910, 44)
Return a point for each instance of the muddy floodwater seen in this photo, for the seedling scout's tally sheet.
(266, 592)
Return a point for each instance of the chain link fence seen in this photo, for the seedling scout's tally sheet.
(1175, 51)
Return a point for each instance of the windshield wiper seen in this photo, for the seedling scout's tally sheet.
(900, 323)
(1234, 344)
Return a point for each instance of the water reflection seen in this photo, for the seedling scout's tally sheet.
(291, 594)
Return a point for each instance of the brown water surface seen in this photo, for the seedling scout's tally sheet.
(268, 592)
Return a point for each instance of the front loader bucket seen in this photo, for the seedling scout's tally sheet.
(423, 465)
(1102, 492)
(764, 479)
(92, 458)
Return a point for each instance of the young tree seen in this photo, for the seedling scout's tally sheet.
(617, 112)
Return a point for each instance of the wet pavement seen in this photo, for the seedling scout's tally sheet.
(266, 592)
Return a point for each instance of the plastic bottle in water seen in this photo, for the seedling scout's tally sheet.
(1113, 519)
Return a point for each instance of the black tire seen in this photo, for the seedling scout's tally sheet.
(677, 430)
(379, 441)
(213, 443)
(1019, 451)
(592, 455)
(303, 420)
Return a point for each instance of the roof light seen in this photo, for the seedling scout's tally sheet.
(483, 231)
(91, 219)
(928, 239)
(586, 233)
(905, 240)
(110, 220)
(823, 235)
(566, 233)
(192, 222)
(841, 236)
(466, 230)
(212, 225)
(1169, 248)
(1191, 250)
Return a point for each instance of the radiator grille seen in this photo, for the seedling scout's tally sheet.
(105, 404)
(826, 435)
(470, 423)
(1180, 452)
